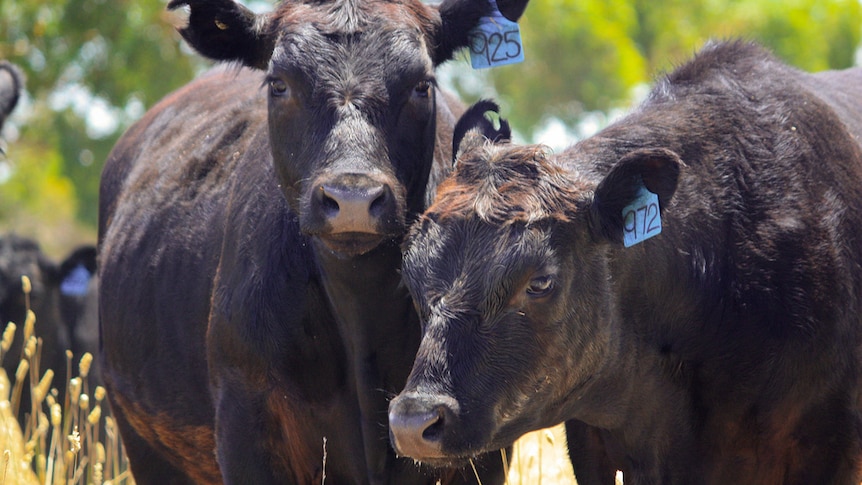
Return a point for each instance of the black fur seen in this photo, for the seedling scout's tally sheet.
(250, 226)
(726, 349)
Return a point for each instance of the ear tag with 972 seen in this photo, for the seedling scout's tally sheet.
(641, 218)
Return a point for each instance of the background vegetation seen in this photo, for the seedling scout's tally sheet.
(94, 66)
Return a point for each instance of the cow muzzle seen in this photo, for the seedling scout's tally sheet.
(418, 424)
(352, 213)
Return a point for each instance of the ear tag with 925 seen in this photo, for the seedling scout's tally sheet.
(496, 41)
(641, 218)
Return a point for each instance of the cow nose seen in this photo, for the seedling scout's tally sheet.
(417, 426)
(353, 208)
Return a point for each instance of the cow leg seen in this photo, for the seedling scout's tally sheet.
(590, 460)
(148, 466)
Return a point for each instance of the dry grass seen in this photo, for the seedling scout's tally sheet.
(541, 458)
(69, 442)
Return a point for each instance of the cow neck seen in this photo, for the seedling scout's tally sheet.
(380, 331)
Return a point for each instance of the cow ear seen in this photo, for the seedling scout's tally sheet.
(77, 270)
(459, 17)
(224, 30)
(475, 123)
(656, 169)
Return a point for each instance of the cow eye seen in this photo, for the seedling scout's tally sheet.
(278, 87)
(541, 286)
(423, 89)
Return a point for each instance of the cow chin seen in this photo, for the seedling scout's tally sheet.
(447, 463)
(351, 244)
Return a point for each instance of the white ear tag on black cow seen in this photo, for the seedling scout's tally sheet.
(641, 218)
(496, 41)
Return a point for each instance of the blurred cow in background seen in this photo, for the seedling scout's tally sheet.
(62, 296)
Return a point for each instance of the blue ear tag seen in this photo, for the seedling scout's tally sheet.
(496, 41)
(641, 218)
(76, 282)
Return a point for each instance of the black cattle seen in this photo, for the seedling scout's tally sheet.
(11, 85)
(61, 297)
(253, 321)
(725, 349)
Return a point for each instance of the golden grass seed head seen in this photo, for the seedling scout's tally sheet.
(30, 348)
(100, 452)
(8, 336)
(56, 415)
(74, 390)
(25, 284)
(97, 474)
(43, 387)
(21, 372)
(29, 325)
(99, 393)
(84, 364)
(84, 402)
(95, 415)
(44, 424)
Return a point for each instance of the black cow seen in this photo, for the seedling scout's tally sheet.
(725, 349)
(61, 297)
(11, 85)
(253, 321)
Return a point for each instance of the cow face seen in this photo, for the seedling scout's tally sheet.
(352, 93)
(509, 269)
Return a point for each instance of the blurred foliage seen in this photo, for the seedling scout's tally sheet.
(93, 66)
(586, 55)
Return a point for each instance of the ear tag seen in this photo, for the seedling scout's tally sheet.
(641, 218)
(496, 41)
(76, 282)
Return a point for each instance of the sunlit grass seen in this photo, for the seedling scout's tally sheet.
(541, 458)
(68, 442)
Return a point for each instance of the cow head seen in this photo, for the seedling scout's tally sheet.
(352, 101)
(509, 272)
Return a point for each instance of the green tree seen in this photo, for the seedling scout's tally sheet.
(584, 55)
(91, 66)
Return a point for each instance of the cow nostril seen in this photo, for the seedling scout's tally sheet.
(328, 205)
(434, 431)
(378, 204)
